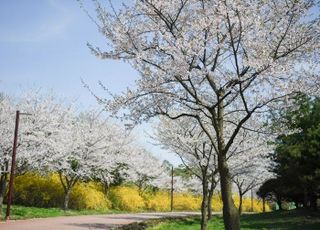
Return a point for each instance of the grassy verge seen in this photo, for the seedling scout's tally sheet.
(190, 223)
(21, 212)
(285, 220)
(156, 223)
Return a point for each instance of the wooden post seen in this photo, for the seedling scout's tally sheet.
(251, 200)
(13, 164)
(171, 206)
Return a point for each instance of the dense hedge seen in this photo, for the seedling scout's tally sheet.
(34, 190)
(126, 198)
(89, 196)
(159, 201)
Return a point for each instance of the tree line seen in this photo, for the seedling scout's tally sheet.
(221, 65)
(78, 145)
(296, 158)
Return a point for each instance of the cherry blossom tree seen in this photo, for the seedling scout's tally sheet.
(6, 132)
(78, 149)
(186, 139)
(55, 138)
(180, 183)
(212, 61)
(113, 160)
(38, 130)
(248, 180)
(33, 132)
(143, 169)
(248, 159)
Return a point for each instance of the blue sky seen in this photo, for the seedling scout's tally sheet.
(43, 45)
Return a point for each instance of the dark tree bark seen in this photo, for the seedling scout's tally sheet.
(313, 202)
(3, 187)
(240, 203)
(305, 198)
(204, 205)
(279, 202)
(231, 216)
(209, 207)
(239, 185)
(210, 196)
(263, 204)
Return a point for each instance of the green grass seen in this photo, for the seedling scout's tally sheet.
(188, 224)
(21, 212)
(284, 220)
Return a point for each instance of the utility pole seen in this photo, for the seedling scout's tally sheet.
(251, 200)
(171, 206)
(13, 162)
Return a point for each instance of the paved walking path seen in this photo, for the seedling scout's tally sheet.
(96, 222)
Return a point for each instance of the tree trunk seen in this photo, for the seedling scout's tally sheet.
(230, 213)
(3, 186)
(313, 202)
(305, 198)
(231, 217)
(204, 205)
(211, 190)
(279, 204)
(66, 199)
(240, 203)
(209, 207)
(106, 188)
(263, 204)
(67, 184)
